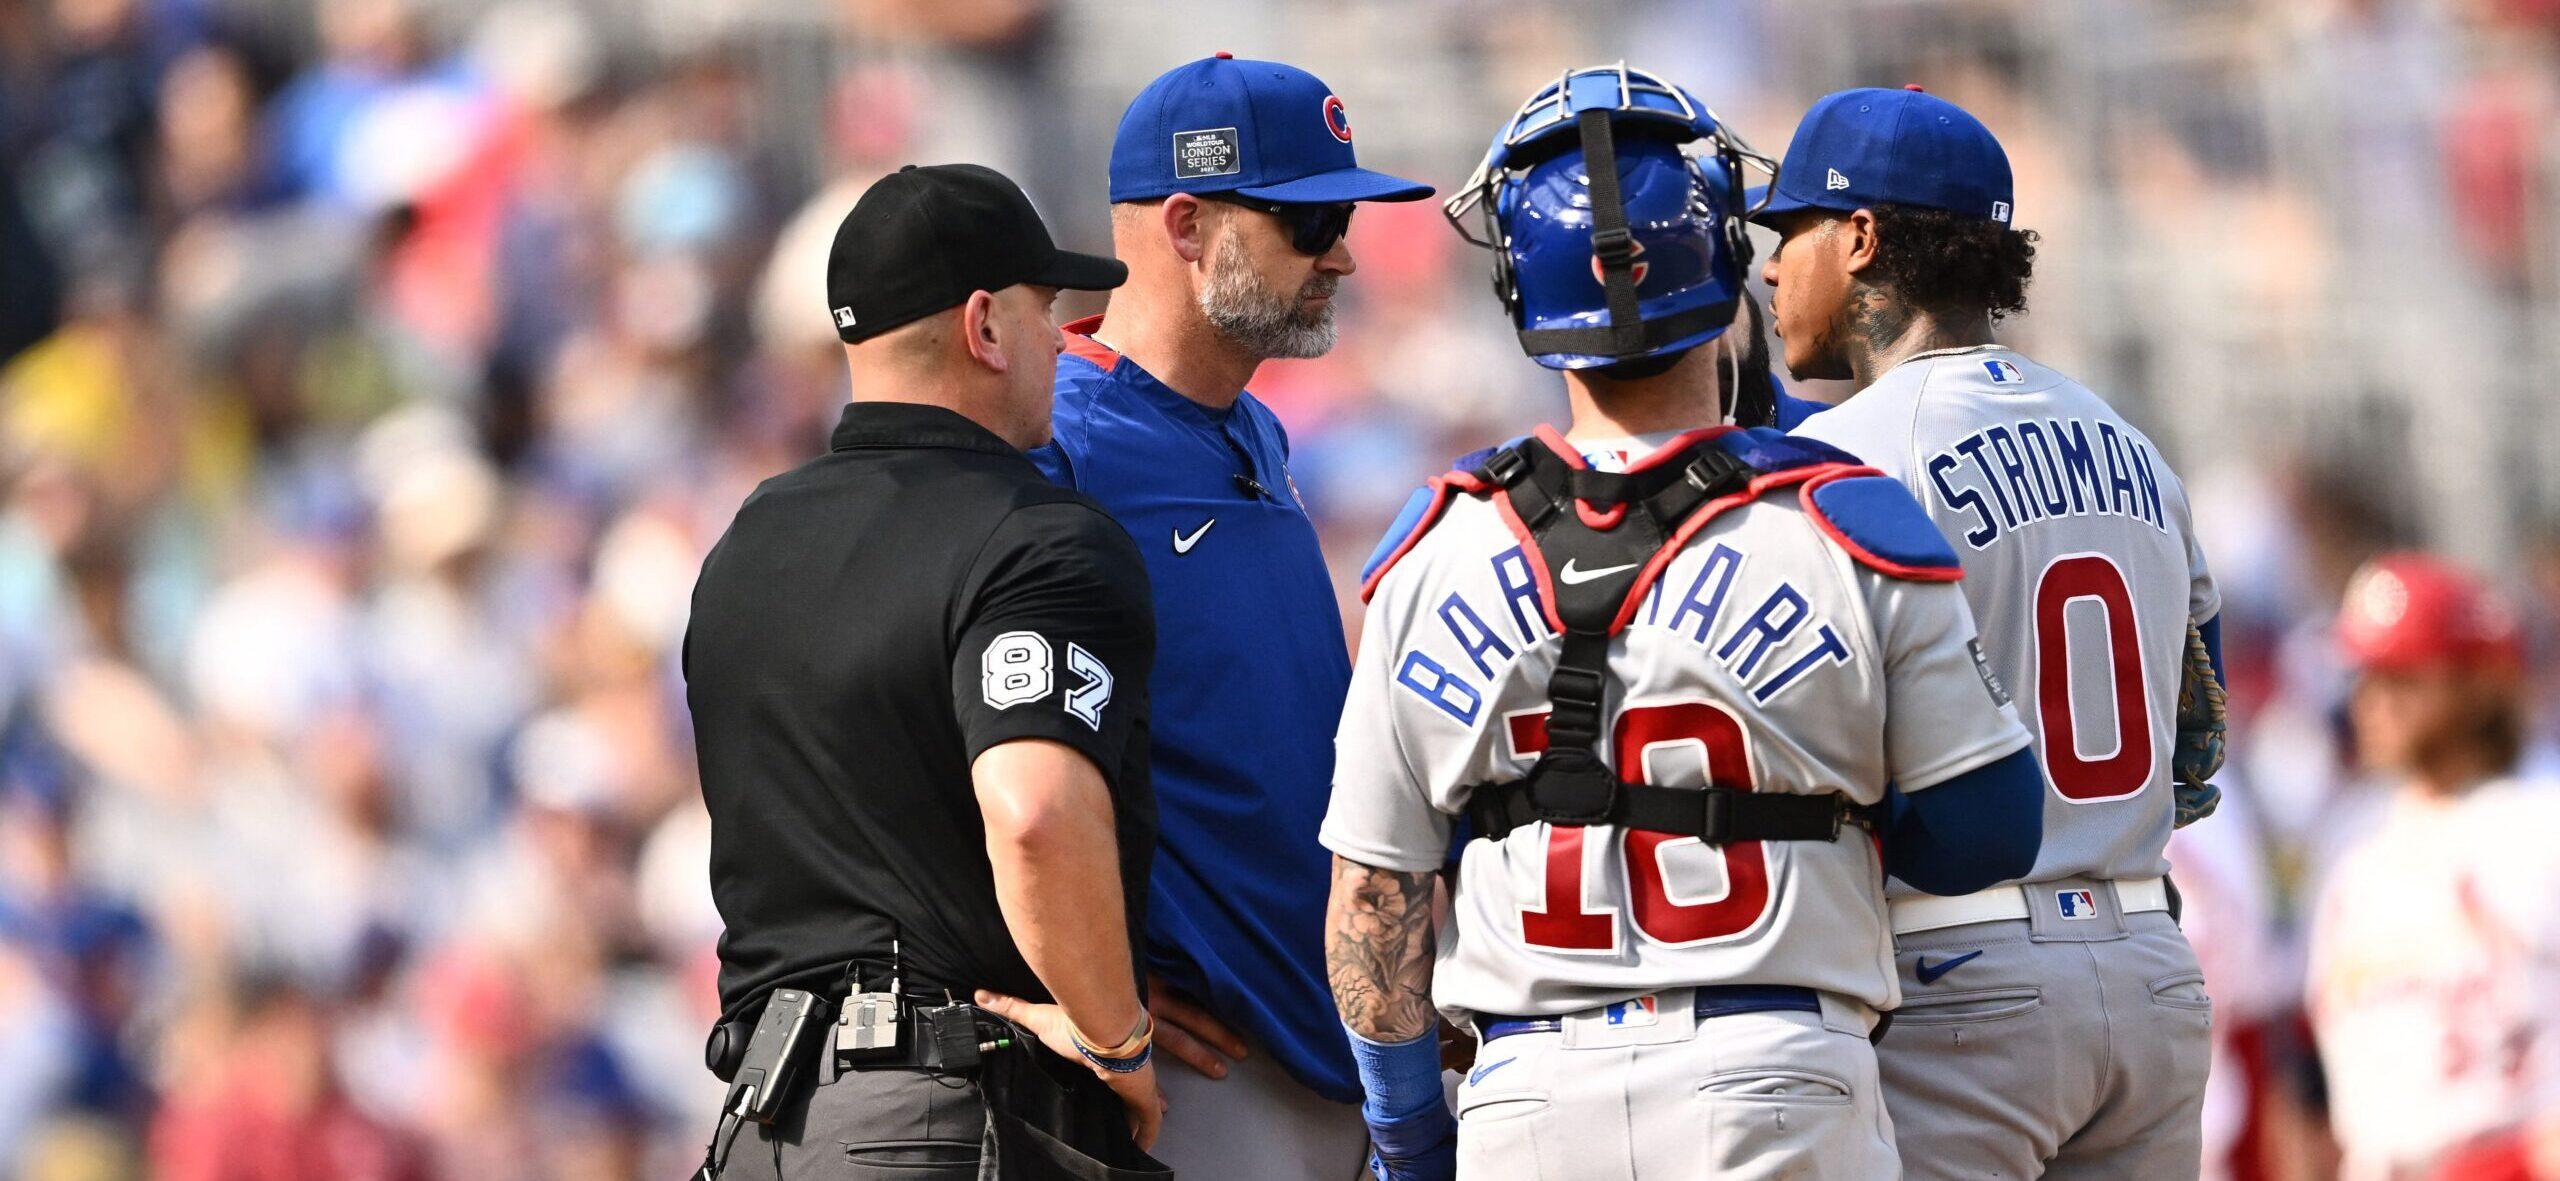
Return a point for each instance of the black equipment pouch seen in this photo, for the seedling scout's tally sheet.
(1598, 539)
(949, 1037)
(1050, 1120)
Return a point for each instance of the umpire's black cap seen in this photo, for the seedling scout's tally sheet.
(922, 238)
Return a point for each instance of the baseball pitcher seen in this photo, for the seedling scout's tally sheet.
(2055, 1026)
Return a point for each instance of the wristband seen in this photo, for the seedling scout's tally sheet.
(1129, 1057)
(1401, 1080)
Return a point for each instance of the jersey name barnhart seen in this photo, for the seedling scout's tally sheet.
(1760, 646)
(2037, 470)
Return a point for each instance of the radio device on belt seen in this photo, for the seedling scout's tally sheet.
(867, 1025)
(1597, 541)
(764, 1067)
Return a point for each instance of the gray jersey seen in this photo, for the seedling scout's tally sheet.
(1764, 655)
(2081, 565)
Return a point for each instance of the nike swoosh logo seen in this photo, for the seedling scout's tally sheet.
(1573, 577)
(1477, 1075)
(1182, 544)
(1929, 972)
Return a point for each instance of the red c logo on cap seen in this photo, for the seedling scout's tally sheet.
(1337, 120)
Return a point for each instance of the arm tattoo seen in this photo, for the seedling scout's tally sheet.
(1378, 951)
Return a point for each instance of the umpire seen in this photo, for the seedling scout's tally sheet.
(918, 676)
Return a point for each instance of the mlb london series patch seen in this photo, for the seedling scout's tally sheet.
(1990, 679)
(1210, 151)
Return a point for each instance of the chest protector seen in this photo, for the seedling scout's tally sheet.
(1596, 542)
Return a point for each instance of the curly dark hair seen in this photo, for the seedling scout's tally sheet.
(1931, 258)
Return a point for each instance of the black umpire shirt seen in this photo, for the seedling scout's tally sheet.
(871, 622)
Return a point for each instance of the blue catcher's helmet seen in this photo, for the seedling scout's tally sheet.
(1598, 274)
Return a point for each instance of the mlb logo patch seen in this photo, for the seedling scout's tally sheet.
(1209, 151)
(844, 317)
(2000, 212)
(2004, 372)
(1634, 1012)
(2076, 904)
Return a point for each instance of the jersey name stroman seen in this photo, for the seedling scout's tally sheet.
(2083, 571)
(1764, 657)
(2011, 474)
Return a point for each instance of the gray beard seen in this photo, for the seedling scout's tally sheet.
(1263, 322)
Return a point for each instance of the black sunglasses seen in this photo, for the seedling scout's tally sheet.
(1313, 229)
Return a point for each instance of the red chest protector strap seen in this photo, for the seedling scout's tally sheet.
(1596, 542)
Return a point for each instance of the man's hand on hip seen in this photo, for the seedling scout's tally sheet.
(1137, 1088)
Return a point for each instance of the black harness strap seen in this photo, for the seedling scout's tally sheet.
(1594, 572)
(1715, 815)
(1611, 242)
(1610, 341)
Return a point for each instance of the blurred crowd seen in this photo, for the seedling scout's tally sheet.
(374, 374)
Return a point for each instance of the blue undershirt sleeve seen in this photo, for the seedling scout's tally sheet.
(1971, 832)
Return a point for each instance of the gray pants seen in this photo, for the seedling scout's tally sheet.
(1747, 1097)
(906, 1125)
(1256, 1124)
(871, 1125)
(2072, 1050)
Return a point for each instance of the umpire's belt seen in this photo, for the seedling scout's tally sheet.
(1714, 1000)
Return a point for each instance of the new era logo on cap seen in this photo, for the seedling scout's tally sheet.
(1210, 151)
(1834, 181)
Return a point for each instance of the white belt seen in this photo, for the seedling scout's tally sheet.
(1926, 912)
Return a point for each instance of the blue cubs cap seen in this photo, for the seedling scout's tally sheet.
(1264, 130)
(1858, 149)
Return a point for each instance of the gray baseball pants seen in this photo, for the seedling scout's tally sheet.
(1748, 1097)
(2069, 1049)
(1256, 1124)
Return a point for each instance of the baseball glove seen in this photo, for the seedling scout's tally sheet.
(2202, 723)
